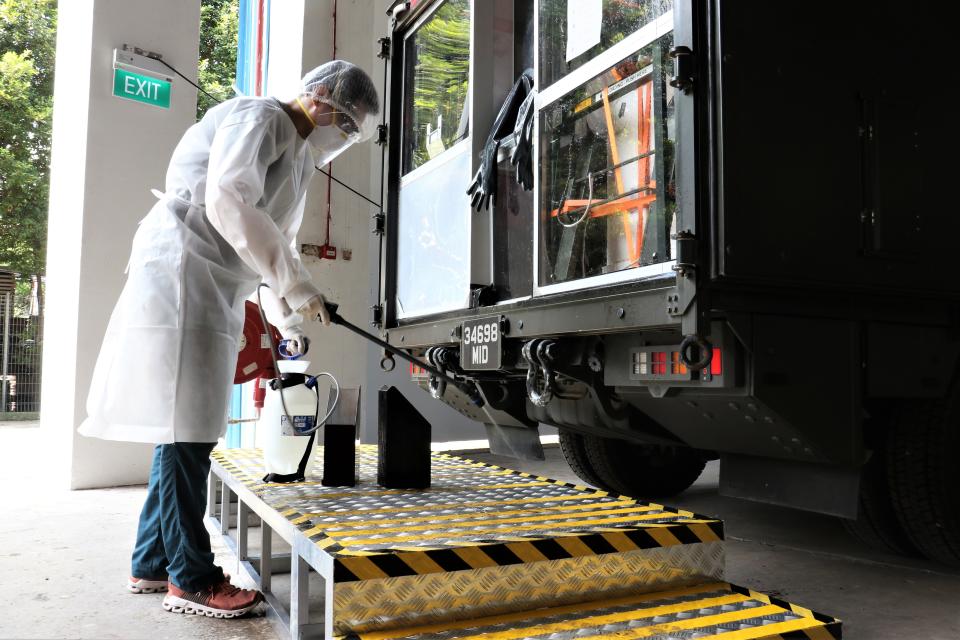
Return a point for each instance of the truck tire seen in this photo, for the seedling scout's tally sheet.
(877, 525)
(925, 477)
(574, 451)
(643, 470)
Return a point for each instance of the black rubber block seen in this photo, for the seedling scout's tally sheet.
(404, 438)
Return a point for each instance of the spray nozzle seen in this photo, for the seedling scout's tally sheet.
(473, 393)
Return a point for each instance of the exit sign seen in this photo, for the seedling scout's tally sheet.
(134, 86)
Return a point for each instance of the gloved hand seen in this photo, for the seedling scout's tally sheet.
(522, 155)
(483, 189)
(295, 342)
(316, 308)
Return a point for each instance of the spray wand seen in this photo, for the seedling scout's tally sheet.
(467, 388)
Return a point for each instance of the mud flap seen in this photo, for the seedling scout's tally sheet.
(522, 443)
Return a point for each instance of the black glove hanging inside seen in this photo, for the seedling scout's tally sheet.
(522, 155)
(483, 189)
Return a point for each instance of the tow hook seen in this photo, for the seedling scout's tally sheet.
(438, 357)
(541, 378)
(695, 352)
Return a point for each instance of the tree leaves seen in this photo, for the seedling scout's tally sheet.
(27, 47)
(219, 23)
(27, 56)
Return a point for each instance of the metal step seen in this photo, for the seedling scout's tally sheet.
(710, 610)
(499, 553)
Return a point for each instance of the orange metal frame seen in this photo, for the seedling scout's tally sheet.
(623, 206)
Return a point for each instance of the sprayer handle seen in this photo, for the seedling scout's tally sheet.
(332, 308)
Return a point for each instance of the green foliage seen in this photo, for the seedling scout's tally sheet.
(27, 49)
(442, 73)
(219, 22)
(27, 54)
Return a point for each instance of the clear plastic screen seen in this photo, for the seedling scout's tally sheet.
(598, 24)
(433, 239)
(436, 84)
(606, 193)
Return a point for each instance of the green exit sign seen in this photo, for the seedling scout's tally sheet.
(134, 86)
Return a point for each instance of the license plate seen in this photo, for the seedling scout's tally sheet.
(480, 344)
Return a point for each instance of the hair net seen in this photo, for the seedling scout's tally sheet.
(349, 91)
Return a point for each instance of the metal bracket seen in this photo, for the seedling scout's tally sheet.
(678, 302)
(384, 52)
(683, 68)
(682, 302)
(483, 296)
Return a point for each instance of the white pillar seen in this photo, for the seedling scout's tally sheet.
(107, 155)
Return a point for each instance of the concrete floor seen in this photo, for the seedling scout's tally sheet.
(64, 558)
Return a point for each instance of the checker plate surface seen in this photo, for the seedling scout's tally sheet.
(434, 598)
(709, 610)
(469, 504)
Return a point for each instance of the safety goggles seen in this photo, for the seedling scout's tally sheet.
(345, 123)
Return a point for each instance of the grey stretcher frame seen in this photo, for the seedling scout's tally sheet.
(292, 622)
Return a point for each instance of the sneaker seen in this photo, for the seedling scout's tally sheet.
(221, 600)
(146, 585)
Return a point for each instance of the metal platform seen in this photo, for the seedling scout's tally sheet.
(482, 545)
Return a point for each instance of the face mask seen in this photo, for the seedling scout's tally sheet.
(328, 139)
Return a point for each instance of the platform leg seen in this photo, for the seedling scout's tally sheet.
(242, 532)
(224, 508)
(299, 596)
(266, 556)
(328, 618)
(211, 495)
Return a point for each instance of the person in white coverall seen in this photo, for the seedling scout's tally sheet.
(227, 222)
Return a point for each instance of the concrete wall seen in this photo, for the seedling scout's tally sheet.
(107, 155)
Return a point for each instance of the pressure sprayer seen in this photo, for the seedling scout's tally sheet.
(286, 395)
(288, 422)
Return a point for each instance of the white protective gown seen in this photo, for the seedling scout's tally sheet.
(233, 204)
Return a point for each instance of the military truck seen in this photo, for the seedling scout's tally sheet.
(724, 231)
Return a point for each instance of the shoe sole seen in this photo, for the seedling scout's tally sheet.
(174, 604)
(146, 586)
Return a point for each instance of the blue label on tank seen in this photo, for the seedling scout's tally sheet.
(301, 425)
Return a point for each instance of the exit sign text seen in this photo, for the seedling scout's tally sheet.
(134, 86)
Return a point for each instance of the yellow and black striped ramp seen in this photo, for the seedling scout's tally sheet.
(711, 610)
(482, 540)
(474, 516)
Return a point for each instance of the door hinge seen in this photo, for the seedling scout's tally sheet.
(379, 223)
(683, 68)
(376, 315)
(384, 52)
(686, 253)
(382, 131)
